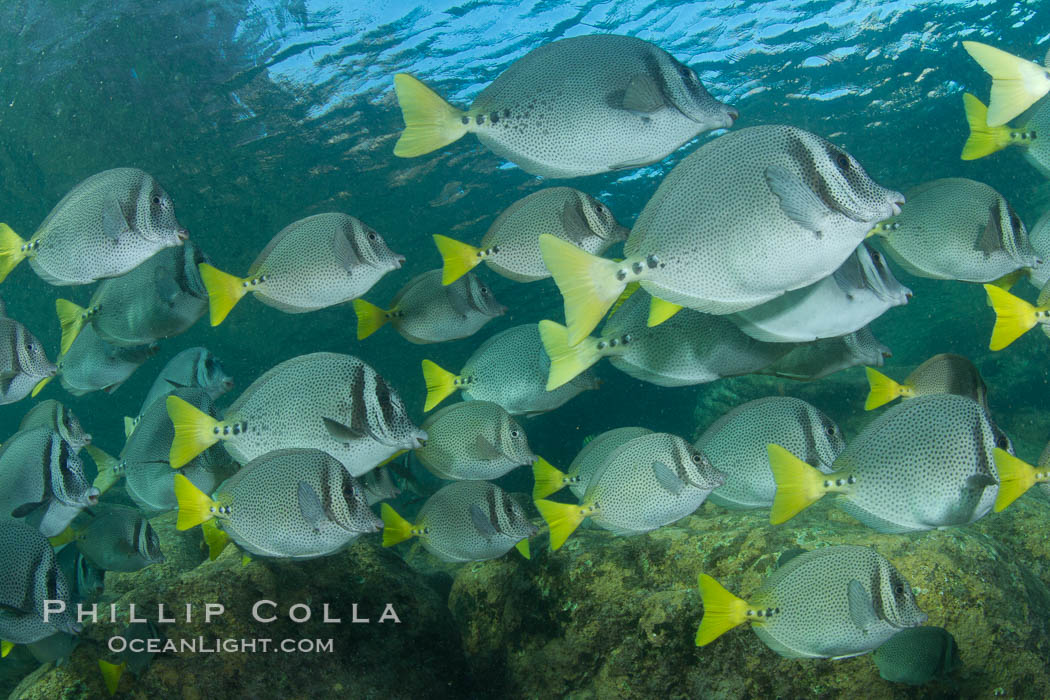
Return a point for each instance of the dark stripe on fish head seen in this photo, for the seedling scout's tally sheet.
(812, 173)
(358, 407)
(493, 509)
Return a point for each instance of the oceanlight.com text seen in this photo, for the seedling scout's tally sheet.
(201, 645)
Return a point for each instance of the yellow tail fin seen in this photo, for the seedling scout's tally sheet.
(224, 291)
(984, 140)
(129, 426)
(72, 319)
(64, 537)
(370, 318)
(457, 258)
(40, 385)
(798, 484)
(108, 475)
(883, 389)
(1013, 317)
(722, 611)
(660, 310)
(566, 362)
(195, 431)
(11, 252)
(1015, 477)
(395, 528)
(195, 506)
(562, 520)
(111, 674)
(5, 648)
(1017, 84)
(523, 548)
(587, 283)
(430, 122)
(630, 289)
(548, 479)
(215, 537)
(440, 384)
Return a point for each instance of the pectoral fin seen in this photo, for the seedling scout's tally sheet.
(114, 222)
(342, 432)
(991, 238)
(667, 478)
(481, 522)
(310, 505)
(797, 200)
(486, 450)
(861, 611)
(643, 95)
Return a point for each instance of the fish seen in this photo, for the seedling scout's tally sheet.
(473, 440)
(985, 140)
(917, 655)
(161, 298)
(42, 478)
(287, 504)
(192, 368)
(549, 480)
(510, 369)
(646, 483)
(1039, 237)
(1017, 84)
(861, 290)
(104, 227)
(511, 245)
(425, 311)
(54, 649)
(925, 463)
(29, 578)
(92, 364)
(59, 418)
(24, 367)
(736, 446)
(830, 603)
(313, 263)
(86, 581)
(691, 348)
(118, 538)
(464, 521)
(1017, 476)
(144, 461)
(815, 360)
(739, 221)
(957, 229)
(323, 400)
(941, 374)
(577, 106)
(379, 485)
(1014, 316)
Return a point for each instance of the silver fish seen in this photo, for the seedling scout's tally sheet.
(105, 226)
(58, 417)
(42, 479)
(861, 290)
(587, 462)
(473, 440)
(815, 360)
(29, 578)
(573, 107)
(118, 538)
(23, 363)
(86, 581)
(193, 368)
(327, 401)
(92, 364)
(379, 485)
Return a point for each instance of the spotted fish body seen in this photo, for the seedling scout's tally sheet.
(958, 229)
(473, 440)
(56, 416)
(331, 402)
(689, 348)
(320, 261)
(834, 602)
(587, 105)
(160, 298)
(379, 486)
(751, 215)
(736, 445)
(42, 478)
(29, 577)
(918, 655)
(148, 476)
(861, 290)
(649, 482)
(425, 311)
(92, 364)
(564, 212)
(193, 368)
(511, 369)
(118, 538)
(946, 374)
(593, 455)
(820, 358)
(471, 521)
(104, 227)
(23, 362)
(294, 504)
(1039, 238)
(925, 463)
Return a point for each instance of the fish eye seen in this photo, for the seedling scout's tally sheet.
(876, 257)
(515, 433)
(156, 199)
(842, 161)
(1015, 221)
(899, 589)
(372, 236)
(697, 459)
(30, 347)
(484, 290)
(684, 71)
(1002, 442)
(830, 430)
(599, 208)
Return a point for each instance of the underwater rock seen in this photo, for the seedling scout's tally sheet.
(420, 657)
(610, 616)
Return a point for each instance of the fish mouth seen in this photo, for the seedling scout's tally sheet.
(398, 261)
(419, 440)
(91, 496)
(182, 234)
(896, 201)
(377, 526)
(732, 115)
(87, 438)
(227, 384)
